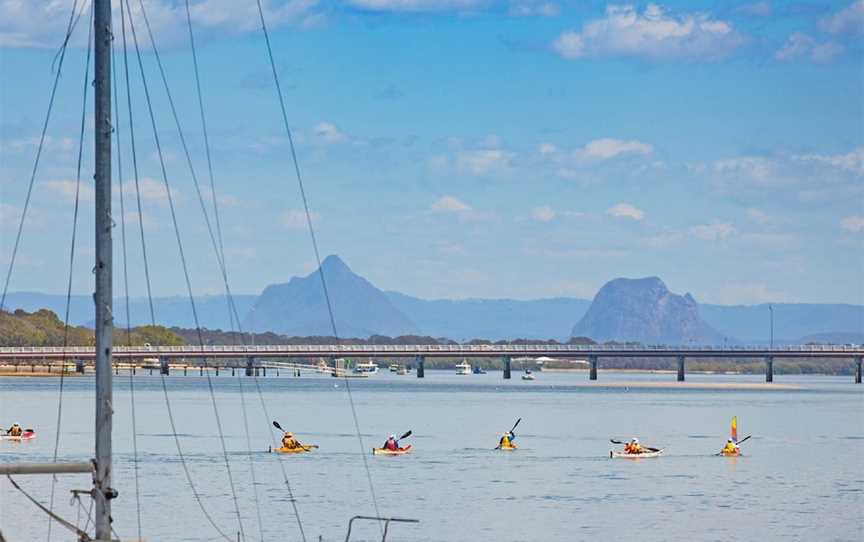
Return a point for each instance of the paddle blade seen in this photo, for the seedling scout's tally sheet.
(406, 435)
(613, 441)
(515, 424)
(277, 426)
(733, 430)
(745, 439)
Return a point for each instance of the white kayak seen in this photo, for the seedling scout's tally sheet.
(625, 455)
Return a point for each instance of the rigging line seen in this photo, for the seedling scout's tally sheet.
(126, 286)
(183, 259)
(191, 297)
(39, 149)
(82, 536)
(135, 168)
(220, 251)
(315, 249)
(71, 265)
(251, 460)
(70, 29)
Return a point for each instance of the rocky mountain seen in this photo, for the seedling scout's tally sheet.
(644, 310)
(298, 307)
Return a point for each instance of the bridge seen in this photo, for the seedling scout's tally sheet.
(224, 354)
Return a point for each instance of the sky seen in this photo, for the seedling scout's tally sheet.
(462, 148)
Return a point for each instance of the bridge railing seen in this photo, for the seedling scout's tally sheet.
(420, 349)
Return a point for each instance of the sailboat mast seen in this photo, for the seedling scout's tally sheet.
(103, 297)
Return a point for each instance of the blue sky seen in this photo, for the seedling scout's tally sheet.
(473, 148)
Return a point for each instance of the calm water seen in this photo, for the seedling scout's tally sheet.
(802, 477)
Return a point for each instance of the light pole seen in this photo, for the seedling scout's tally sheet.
(771, 336)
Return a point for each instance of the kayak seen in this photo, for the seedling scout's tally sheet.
(635, 456)
(303, 448)
(384, 451)
(508, 448)
(26, 435)
(730, 454)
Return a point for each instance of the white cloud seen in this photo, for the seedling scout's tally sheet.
(855, 224)
(607, 148)
(849, 20)
(625, 210)
(532, 8)
(26, 144)
(759, 216)
(664, 239)
(547, 149)
(757, 9)
(449, 204)
(654, 34)
(801, 46)
(329, 132)
(852, 161)
(417, 6)
(756, 169)
(543, 214)
(484, 161)
(152, 190)
(66, 190)
(717, 231)
(41, 23)
(295, 220)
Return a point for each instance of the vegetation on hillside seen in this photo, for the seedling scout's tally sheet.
(44, 328)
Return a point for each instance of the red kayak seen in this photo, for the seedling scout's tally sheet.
(26, 435)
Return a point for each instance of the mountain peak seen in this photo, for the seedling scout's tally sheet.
(643, 310)
(334, 263)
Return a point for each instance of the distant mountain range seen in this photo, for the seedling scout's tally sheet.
(624, 309)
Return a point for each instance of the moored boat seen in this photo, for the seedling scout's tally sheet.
(528, 375)
(366, 367)
(463, 368)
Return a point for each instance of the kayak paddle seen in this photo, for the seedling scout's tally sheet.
(406, 435)
(515, 424)
(277, 426)
(743, 439)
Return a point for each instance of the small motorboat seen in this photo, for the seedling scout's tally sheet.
(463, 368)
(479, 370)
(528, 375)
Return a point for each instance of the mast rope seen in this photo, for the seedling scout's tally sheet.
(62, 52)
(126, 285)
(188, 282)
(314, 240)
(82, 536)
(71, 264)
(220, 253)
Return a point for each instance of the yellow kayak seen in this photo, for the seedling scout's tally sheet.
(299, 450)
(508, 447)
(384, 451)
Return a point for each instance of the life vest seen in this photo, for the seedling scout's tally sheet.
(505, 441)
(391, 445)
(15, 431)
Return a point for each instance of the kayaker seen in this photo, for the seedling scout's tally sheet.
(288, 441)
(731, 448)
(391, 444)
(14, 431)
(633, 447)
(507, 440)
